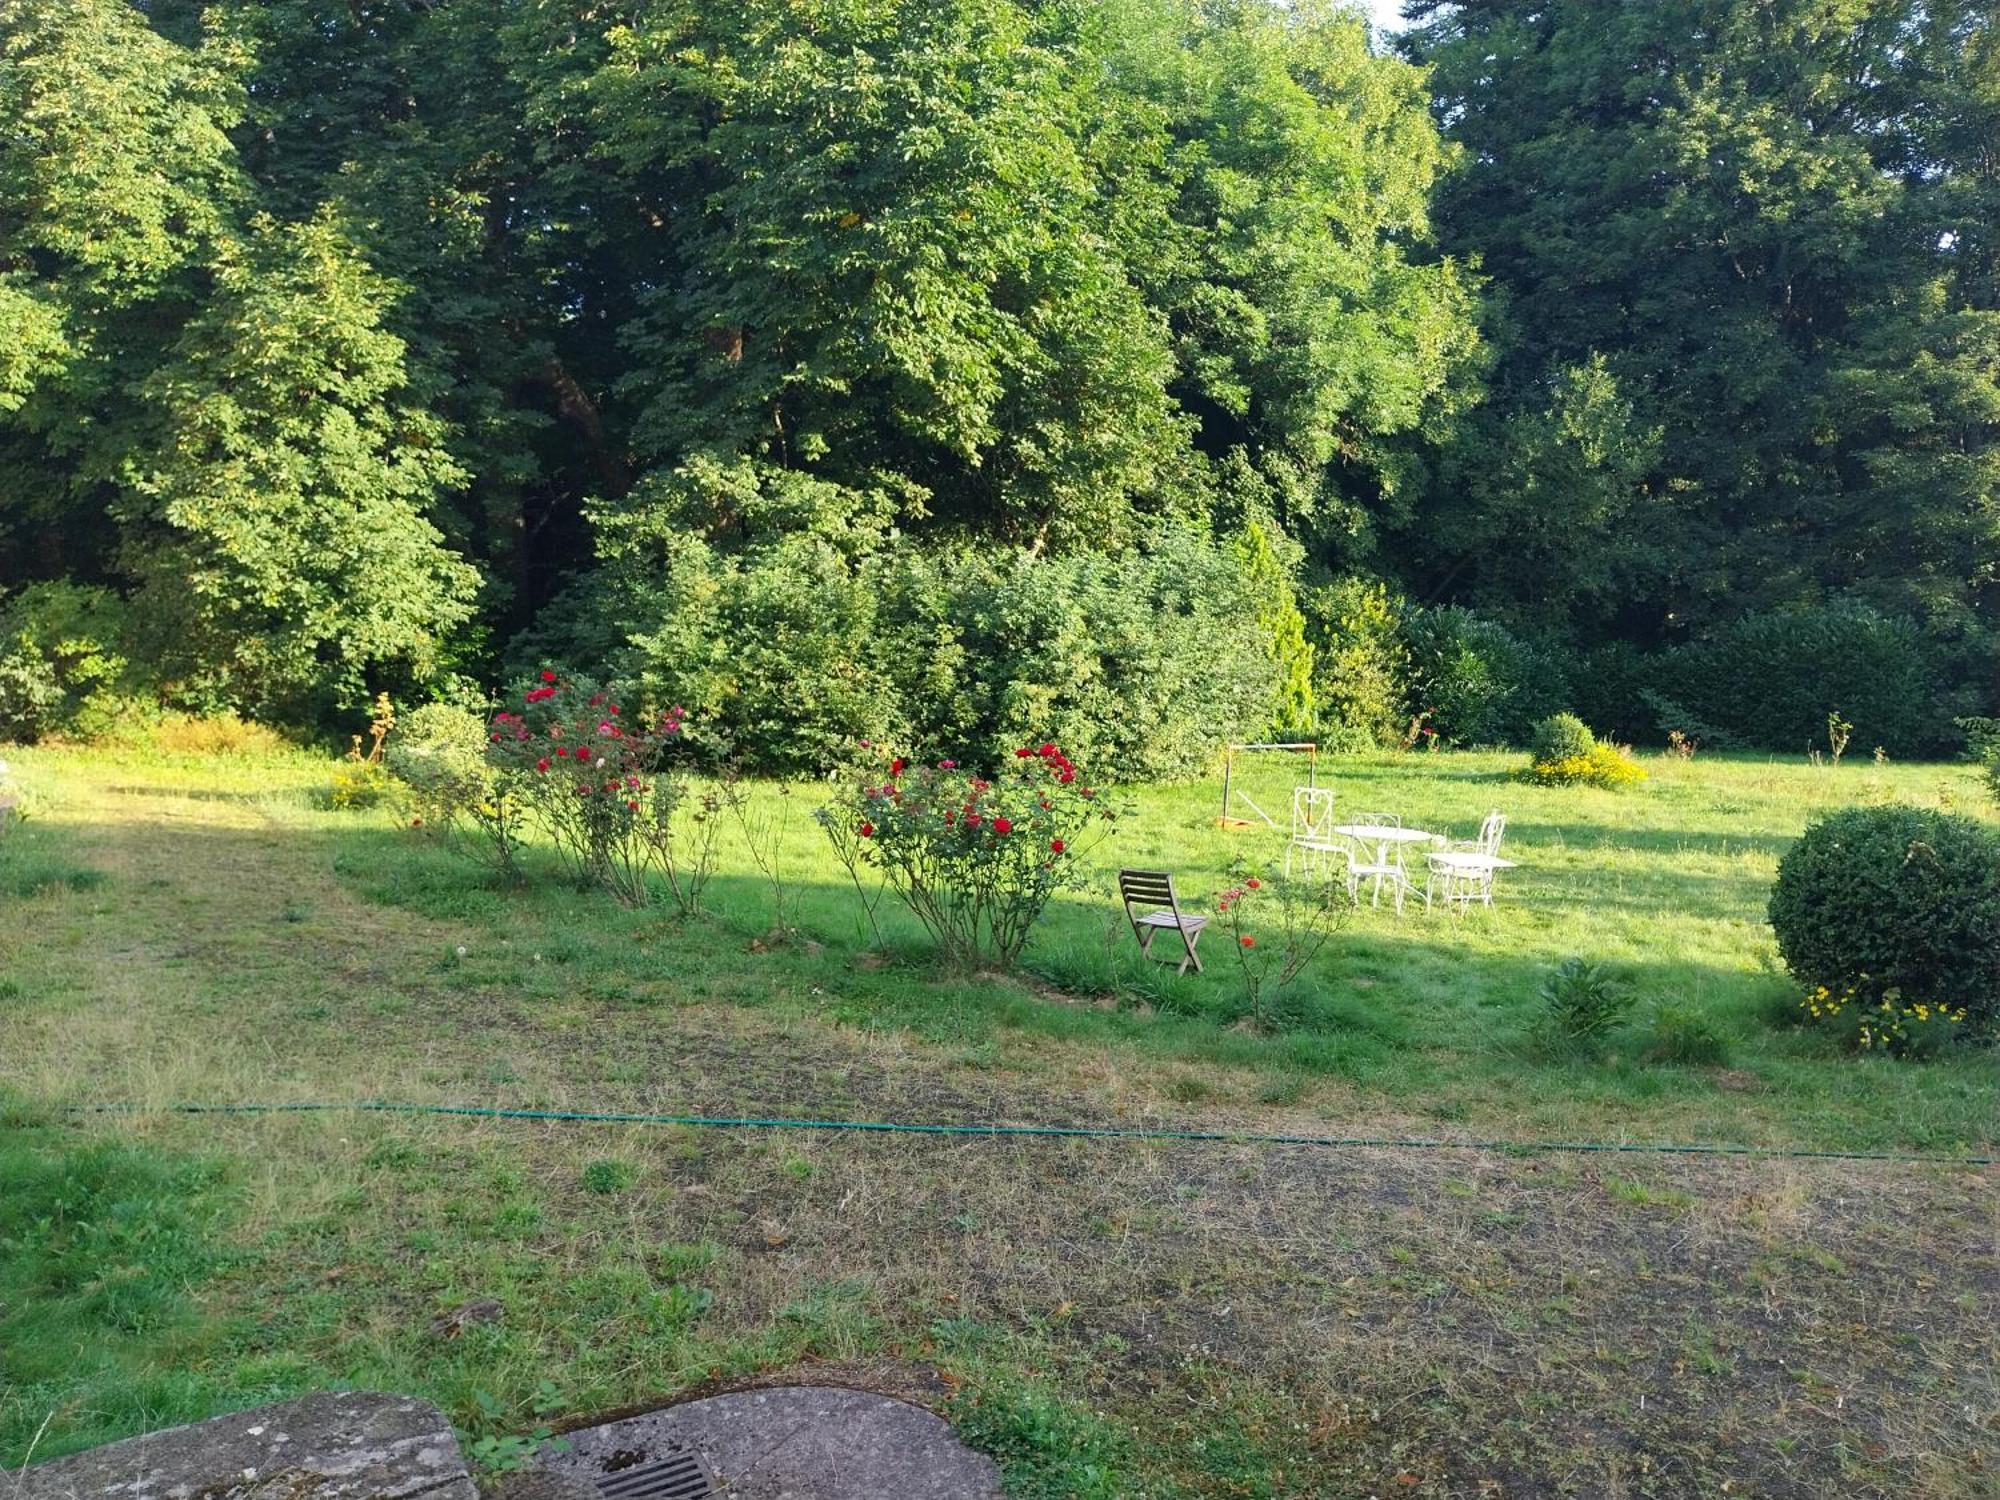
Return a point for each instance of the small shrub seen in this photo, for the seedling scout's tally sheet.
(1684, 1035)
(1609, 766)
(595, 778)
(1562, 737)
(438, 753)
(1582, 1003)
(1274, 929)
(1885, 1021)
(358, 785)
(213, 734)
(975, 858)
(1896, 905)
(608, 1175)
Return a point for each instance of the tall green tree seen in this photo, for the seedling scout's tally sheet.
(1741, 266)
(274, 517)
(198, 401)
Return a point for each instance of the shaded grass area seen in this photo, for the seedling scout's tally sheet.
(1115, 1318)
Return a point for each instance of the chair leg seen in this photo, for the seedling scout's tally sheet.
(1188, 940)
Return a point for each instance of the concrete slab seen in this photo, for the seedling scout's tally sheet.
(796, 1443)
(346, 1445)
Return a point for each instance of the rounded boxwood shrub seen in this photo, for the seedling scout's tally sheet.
(1874, 900)
(1562, 737)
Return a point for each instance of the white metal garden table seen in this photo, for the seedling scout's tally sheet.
(1386, 839)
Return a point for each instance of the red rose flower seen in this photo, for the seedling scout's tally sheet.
(867, 830)
(542, 764)
(1254, 883)
(1056, 846)
(1003, 825)
(547, 675)
(1247, 941)
(1023, 753)
(896, 766)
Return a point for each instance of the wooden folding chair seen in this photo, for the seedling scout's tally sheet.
(1155, 889)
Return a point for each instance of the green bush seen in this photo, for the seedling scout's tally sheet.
(1140, 665)
(1477, 681)
(1770, 681)
(1895, 904)
(438, 752)
(1143, 662)
(1267, 558)
(1360, 663)
(1685, 1036)
(60, 649)
(1561, 736)
(1582, 1003)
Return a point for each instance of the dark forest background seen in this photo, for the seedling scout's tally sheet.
(1140, 373)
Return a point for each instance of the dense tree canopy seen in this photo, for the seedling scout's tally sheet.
(1742, 264)
(791, 355)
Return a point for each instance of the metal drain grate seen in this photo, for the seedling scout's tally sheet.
(678, 1476)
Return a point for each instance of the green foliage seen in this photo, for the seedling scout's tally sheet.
(1144, 661)
(1894, 903)
(361, 785)
(975, 857)
(1873, 669)
(609, 1175)
(1768, 378)
(1476, 681)
(438, 752)
(60, 654)
(1582, 1004)
(1560, 737)
(1687, 1037)
(756, 349)
(1048, 1448)
(1360, 663)
(1281, 628)
(281, 543)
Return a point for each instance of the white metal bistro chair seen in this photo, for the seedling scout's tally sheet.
(1313, 841)
(1378, 860)
(1463, 873)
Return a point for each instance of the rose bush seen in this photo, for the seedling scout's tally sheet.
(594, 775)
(975, 857)
(1294, 920)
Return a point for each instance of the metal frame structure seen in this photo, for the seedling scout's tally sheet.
(1224, 818)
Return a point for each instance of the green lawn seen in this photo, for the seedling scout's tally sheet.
(1186, 1319)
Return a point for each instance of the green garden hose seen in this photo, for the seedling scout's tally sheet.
(1079, 1132)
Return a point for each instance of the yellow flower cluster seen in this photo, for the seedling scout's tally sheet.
(1887, 1024)
(1602, 765)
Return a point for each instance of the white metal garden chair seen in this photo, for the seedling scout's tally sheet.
(1373, 859)
(1313, 840)
(1463, 873)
